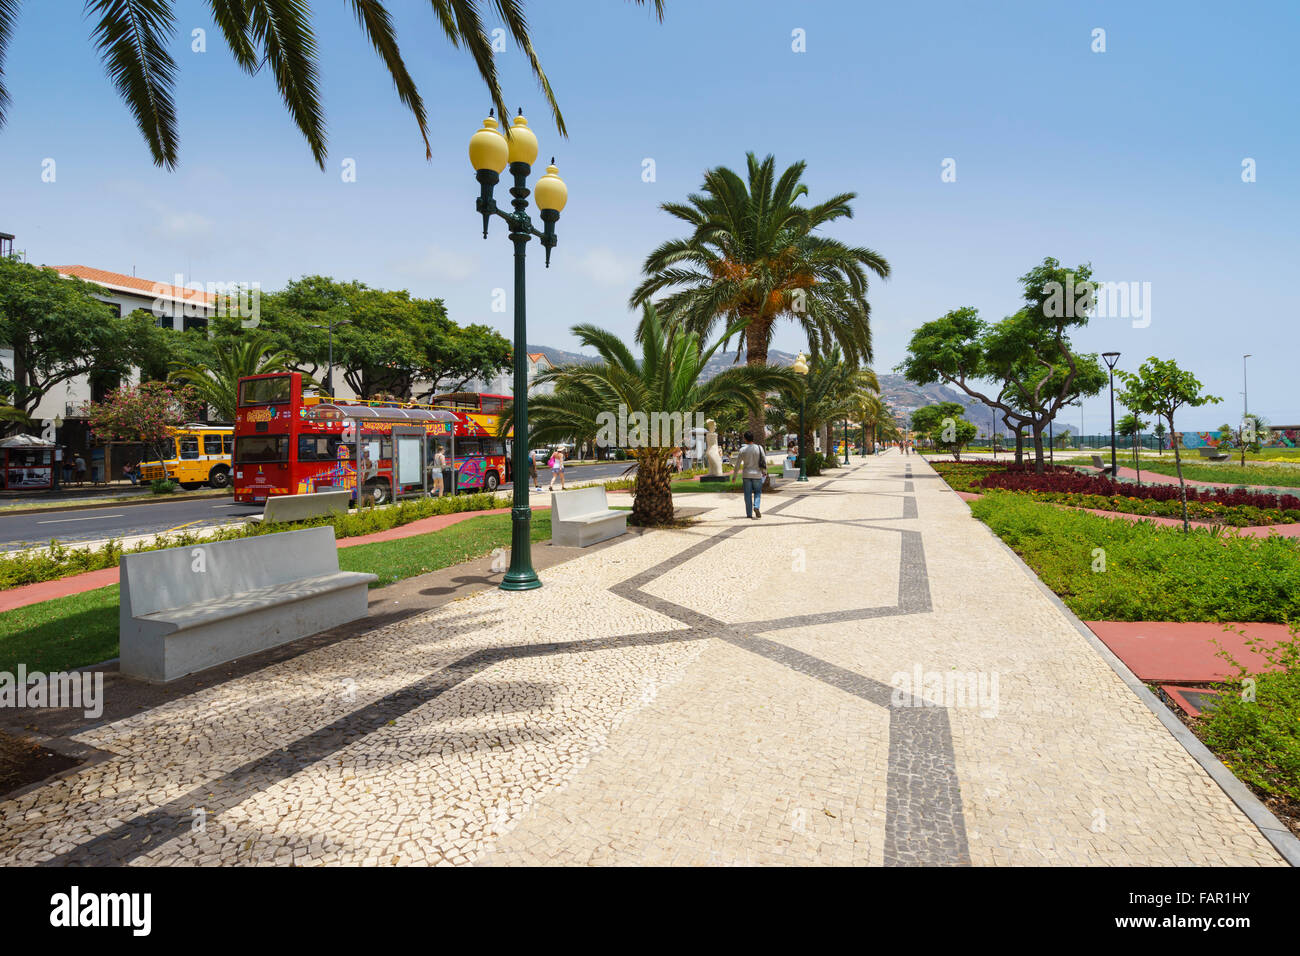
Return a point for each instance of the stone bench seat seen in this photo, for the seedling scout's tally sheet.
(187, 609)
(583, 517)
(247, 602)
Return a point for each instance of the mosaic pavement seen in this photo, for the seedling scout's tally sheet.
(862, 676)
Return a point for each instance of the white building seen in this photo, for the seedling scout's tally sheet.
(503, 383)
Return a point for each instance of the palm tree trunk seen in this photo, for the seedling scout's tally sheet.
(652, 501)
(756, 354)
(1178, 466)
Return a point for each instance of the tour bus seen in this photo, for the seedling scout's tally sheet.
(196, 454)
(288, 443)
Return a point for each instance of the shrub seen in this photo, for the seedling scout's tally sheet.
(1258, 734)
(163, 486)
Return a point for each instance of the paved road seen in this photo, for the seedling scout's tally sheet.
(112, 521)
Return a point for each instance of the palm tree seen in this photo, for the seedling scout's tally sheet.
(664, 381)
(754, 257)
(832, 388)
(11, 417)
(871, 410)
(133, 35)
(242, 356)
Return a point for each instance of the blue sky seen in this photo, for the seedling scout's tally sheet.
(1129, 159)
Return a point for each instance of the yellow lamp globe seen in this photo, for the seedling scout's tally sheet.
(551, 193)
(800, 366)
(523, 141)
(488, 148)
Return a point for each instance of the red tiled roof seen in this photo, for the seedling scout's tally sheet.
(133, 284)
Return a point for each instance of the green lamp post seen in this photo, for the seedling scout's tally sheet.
(800, 367)
(489, 153)
(846, 441)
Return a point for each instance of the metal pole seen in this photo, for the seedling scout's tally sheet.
(803, 445)
(1114, 473)
(520, 576)
(1245, 397)
(329, 374)
(846, 441)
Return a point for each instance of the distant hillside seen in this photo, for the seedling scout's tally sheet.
(899, 394)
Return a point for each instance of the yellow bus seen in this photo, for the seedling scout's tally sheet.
(196, 454)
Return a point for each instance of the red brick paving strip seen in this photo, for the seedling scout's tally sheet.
(1185, 652)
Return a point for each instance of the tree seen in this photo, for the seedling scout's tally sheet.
(132, 37)
(944, 427)
(871, 410)
(753, 257)
(217, 386)
(1160, 434)
(1063, 438)
(1250, 436)
(144, 413)
(1130, 426)
(646, 394)
(828, 393)
(58, 331)
(1160, 387)
(1027, 356)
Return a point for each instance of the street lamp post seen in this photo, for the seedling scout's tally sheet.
(846, 441)
(800, 367)
(329, 369)
(489, 153)
(1111, 358)
(1245, 397)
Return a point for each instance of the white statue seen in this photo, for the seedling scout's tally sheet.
(711, 455)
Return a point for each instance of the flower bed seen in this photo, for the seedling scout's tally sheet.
(1062, 485)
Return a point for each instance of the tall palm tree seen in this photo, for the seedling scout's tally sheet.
(244, 355)
(870, 410)
(754, 256)
(133, 35)
(664, 381)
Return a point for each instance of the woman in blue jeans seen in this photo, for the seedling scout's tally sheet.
(751, 463)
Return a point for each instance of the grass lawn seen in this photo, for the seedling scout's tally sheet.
(81, 629)
(1271, 476)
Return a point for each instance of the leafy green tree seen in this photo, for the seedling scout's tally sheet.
(828, 393)
(1160, 434)
(217, 386)
(664, 381)
(754, 257)
(1250, 436)
(58, 331)
(944, 426)
(1027, 356)
(133, 36)
(144, 413)
(1160, 387)
(1130, 426)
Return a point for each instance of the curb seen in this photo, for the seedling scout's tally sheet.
(1283, 840)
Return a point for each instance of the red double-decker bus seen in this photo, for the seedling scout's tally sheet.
(287, 443)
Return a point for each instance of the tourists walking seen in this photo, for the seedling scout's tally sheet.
(532, 470)
(751, 463)
(81, 469)
(557, 468)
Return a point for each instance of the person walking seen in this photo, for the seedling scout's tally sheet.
(439, 463)
(81, 469)
(751, 463)
(557, 468)
(532, 470)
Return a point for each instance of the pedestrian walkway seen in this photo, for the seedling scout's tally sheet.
(864, 675)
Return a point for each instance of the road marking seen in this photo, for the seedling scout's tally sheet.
(91, 518)
(224, 506)
(179, 526)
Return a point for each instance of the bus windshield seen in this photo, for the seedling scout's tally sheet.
(264, 391)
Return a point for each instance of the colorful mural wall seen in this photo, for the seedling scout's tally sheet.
(1286, 438)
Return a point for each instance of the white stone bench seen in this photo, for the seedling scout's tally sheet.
(1099, 464)
(186, 609)
(281, 508)
(583, 517)
(1213, 454)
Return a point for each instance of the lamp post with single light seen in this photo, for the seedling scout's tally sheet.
(800, 367)
(1111, 358)
(490, 153)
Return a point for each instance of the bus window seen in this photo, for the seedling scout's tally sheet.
(189, 446)
(264, 391)
(492, 446)
(259, 449)
(467, 448)
(318, 447)
(167, 448)
(216, 445)
(227, 444)
(490, 404)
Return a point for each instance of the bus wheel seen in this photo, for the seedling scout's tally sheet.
(491, 482)
(378, 491)
(219, 477)
(191, 485)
